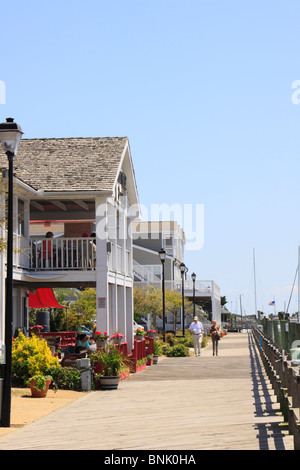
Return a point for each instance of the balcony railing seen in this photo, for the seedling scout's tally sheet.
(67, 254)
(62, 254)
(202, 288)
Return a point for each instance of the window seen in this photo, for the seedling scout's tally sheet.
(20, 217)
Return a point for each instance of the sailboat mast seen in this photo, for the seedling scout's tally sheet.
(254, 283)
(299, 284)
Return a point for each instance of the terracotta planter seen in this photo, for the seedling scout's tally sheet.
(141, 367)
(39, 393)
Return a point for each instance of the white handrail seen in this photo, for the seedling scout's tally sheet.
(62, 254)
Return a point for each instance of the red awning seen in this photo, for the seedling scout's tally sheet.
(43, 298)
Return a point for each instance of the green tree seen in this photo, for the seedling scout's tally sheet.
(83, 311)
(149, 300)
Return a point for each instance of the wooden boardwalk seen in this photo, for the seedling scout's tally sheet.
(195, 403)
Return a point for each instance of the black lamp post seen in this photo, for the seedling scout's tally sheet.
(183, 270)
(10, 137)
(194, 279)
(162, 256)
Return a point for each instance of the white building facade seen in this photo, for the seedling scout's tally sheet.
(87, 187)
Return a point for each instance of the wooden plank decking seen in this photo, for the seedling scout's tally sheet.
(195, 403)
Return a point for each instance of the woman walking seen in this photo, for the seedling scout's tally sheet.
(215, 336)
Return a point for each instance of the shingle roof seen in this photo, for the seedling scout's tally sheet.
(68, 164)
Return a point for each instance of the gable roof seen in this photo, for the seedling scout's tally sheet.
(69, 164)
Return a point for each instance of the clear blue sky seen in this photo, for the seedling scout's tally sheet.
(203, 90)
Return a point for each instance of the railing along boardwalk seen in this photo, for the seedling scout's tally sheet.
(285, 380)
(193, 403)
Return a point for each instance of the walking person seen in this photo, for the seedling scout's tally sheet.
(215, 336)
(196, 328)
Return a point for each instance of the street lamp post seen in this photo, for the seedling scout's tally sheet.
(10, 137)
(183, 270)
(194, 291)
(162, 256)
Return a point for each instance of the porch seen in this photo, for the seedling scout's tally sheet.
(67, 254)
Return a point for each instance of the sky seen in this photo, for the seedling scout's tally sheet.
(205, 91)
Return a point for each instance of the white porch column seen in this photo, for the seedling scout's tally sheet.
(129, 317)
(102, 288)
(121, 322)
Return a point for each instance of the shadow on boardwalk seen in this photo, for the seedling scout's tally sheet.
(184, 403)
(264, 403)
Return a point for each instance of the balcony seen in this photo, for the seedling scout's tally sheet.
(67, 254)
(202, 288)
(62, 254)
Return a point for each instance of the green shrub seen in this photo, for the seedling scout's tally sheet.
(187, 340)
(171, 339)
(165, 348)
(65, 378)
(179, 350)
(30, 356)
(157, 348)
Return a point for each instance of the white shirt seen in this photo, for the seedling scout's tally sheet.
(196, 328)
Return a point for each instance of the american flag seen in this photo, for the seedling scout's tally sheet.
(272, 302)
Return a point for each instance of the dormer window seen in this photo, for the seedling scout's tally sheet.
(122, 179)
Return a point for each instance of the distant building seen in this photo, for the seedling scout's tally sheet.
(148, 238)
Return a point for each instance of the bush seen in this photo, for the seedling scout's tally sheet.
(204, 342)
(179, 350)
(165, 348)
(187, 340)
(30, 356)
(171, 339)
(65, 378)
(157, 348)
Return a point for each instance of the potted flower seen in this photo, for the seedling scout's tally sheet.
(151, 333)
(149, 359)
(139, 334)
(117, 338)
(100, 338)
(111, 362)
(36, 329)
(156, 351)
(39, 385)
(97, 380)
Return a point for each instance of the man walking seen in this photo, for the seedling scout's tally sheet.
(196, 328)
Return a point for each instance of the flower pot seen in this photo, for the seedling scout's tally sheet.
(97, 384)
(151, 334)
(36, 331)
(100, 344)
(139, 337)
(117, 340)
(155, 359)
(39, 393)
(109, 382)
